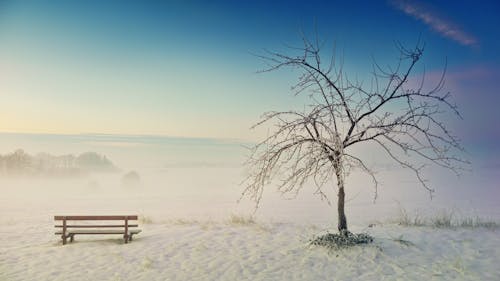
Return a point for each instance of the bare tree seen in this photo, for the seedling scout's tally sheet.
(316, 144)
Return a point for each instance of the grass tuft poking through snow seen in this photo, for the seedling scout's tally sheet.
(444, 219)
(181, 221)
(478, 222)
(406, 219)
(241, 220)
(145, 219)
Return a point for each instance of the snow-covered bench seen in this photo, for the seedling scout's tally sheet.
(89, 225)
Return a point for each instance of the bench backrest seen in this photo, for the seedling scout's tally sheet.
(109, 218)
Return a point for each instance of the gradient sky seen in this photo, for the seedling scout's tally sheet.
(185, 68)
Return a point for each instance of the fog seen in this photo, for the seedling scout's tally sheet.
(199, 179)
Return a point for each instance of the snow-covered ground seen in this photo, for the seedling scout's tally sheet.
(220, 250)
(188, 235)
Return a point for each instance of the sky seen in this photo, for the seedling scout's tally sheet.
(188, 68)
(176, 83)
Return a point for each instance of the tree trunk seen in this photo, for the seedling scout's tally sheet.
(342, 221)
(342, 225)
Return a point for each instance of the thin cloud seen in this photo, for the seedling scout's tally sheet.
(441, 26)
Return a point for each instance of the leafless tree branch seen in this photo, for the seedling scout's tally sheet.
(404, 122)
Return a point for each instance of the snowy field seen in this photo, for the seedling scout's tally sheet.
(186, 197)
(190, 236)
(220, 250)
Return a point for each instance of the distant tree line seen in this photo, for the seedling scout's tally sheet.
(19, 163)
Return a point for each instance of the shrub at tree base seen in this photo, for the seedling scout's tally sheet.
(341, 240)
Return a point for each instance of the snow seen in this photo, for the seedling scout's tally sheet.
(219, 250)
(184, 239)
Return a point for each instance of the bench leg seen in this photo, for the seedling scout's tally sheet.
(64, 239)
(125, 238)
(130, 237)
(71, 237)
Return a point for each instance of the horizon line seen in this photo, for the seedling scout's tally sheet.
(127, 135)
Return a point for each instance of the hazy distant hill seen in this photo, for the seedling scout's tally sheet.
(19, 163)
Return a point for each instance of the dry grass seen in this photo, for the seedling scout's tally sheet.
(241, 220)
(185, 221)
(406, 219)
(145, 219)
(478, 222)
(444, 219)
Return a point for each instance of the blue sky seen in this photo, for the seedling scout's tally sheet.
(185, 68)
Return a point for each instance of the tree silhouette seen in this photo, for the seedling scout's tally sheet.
(315, 144)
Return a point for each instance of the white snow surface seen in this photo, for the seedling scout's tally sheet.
(187, 234)
(211, 250)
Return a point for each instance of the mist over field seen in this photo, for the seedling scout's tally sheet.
(170, 178)
(186, 191)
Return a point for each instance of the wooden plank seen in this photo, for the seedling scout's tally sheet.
(95, 226)
(73, 232)
(95, 231)
(134, 217)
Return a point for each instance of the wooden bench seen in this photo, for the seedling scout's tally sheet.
(88, 225)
